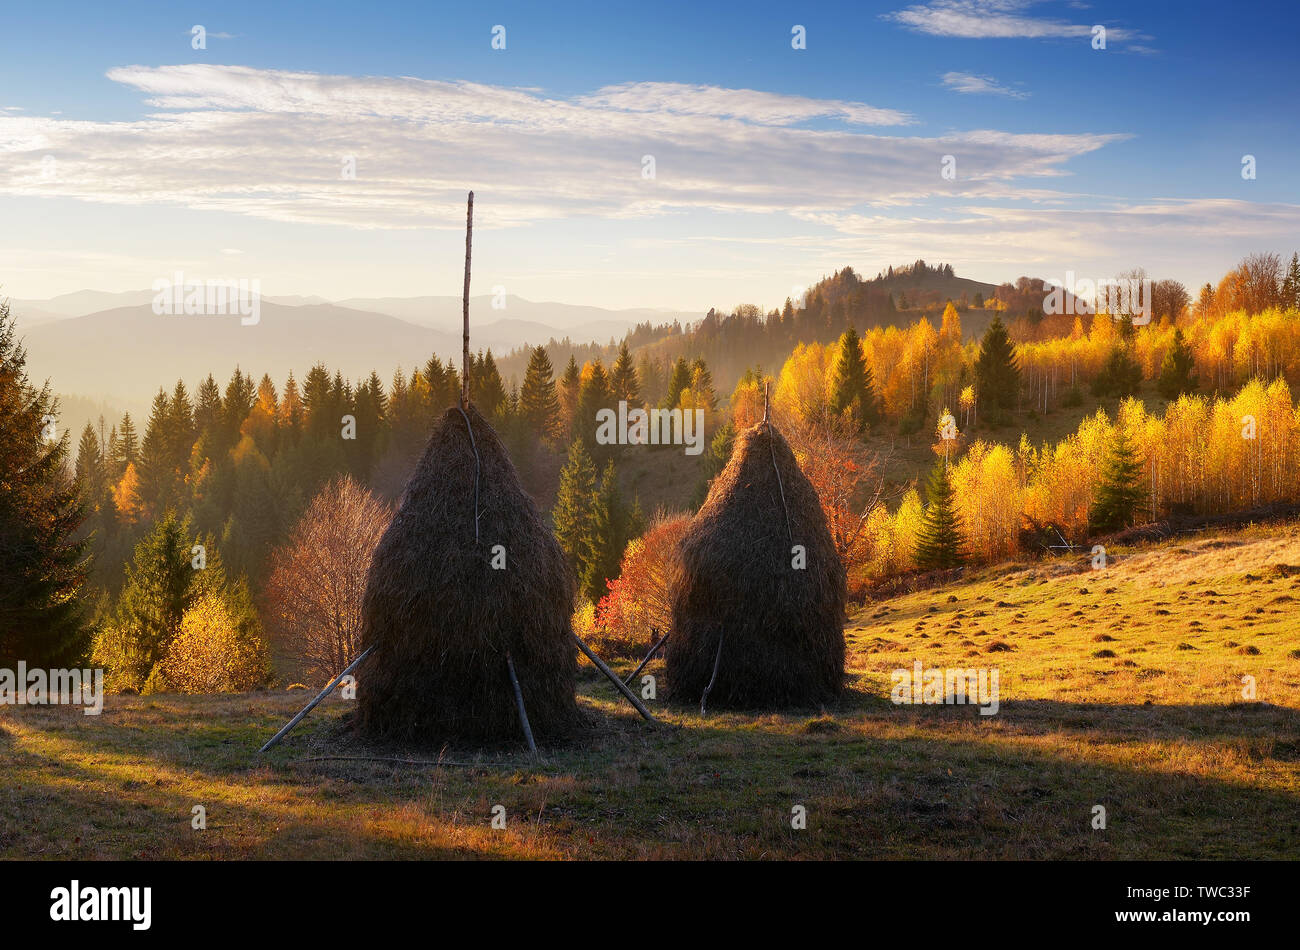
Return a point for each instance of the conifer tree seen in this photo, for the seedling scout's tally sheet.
(207, 409)
(680, 380)
(997, 374)
(702, 385)
(852, 386)
(574, 504)
(568, 389)
(1119, 488)
(1176, 369)
(128, 443)
(43, 563)
(1291, 284)
(608, 537)
(488, 392)
(624, 379)
(594, 394)
(940, 543)
(539, 404)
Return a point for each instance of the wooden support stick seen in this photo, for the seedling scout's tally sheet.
(464, 369)
(519, 701)
(717, 660)
(766, 387)
(600, 665)
(653, 650)
(315, 702)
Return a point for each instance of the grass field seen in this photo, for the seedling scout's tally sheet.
(1120, 688)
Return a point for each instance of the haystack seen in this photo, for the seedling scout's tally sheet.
(782, 627)
(442, 619)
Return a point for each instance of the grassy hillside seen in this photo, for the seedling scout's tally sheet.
(1120, 687)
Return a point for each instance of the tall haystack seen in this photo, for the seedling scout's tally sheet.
(781, 625)
(443, 618)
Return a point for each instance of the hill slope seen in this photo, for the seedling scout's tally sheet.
(1184, 768)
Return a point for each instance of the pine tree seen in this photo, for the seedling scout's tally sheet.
(159, 589)
(702, 385)
(1119, 488)
(158, 479)
(128, 443)
(43, 563)
(1176, 369)
(292, 412)
(940, 543)
(997, 374)
(539, 404)
(574, 503)
(624, 378)
(608, 537)
(594, 394)
(489, 393)
(567, 391)
(207, 408)
(852, 384)
(1120, 375)
(680, 380)
(1291, 284)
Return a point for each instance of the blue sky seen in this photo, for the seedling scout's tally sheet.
(125, 154)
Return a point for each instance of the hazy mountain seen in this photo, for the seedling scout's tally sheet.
(573, 320)
(125, 354)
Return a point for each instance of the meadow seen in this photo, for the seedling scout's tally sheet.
(1120, 687)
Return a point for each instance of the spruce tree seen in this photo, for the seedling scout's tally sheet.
(489, 393)
(1176, 369)
(43, 562)
(160, 587)
(594, 394)
(1291, 284)
(607, 539)
(680, 380)
(539, 404)
(567, 391)
(997, 374)
(702, 385)
(940, 543)
(1119, 488)
(128, 441)
(1120, 375)
(574, 502)
(623, 377)
(852, 385)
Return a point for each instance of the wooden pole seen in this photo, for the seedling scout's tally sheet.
(315, 702)
(653, 650)
(766, 387)
(464, 368)
(600, 665)
(519, 701)
(717, 660)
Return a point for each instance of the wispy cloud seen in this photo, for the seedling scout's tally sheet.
(971, 84)
(994, 19)
(273, 144)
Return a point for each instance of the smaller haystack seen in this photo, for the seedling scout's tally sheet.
(783, 626)
(442, 618)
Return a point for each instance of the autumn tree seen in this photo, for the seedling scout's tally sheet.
(317, 579)
(211, 654)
